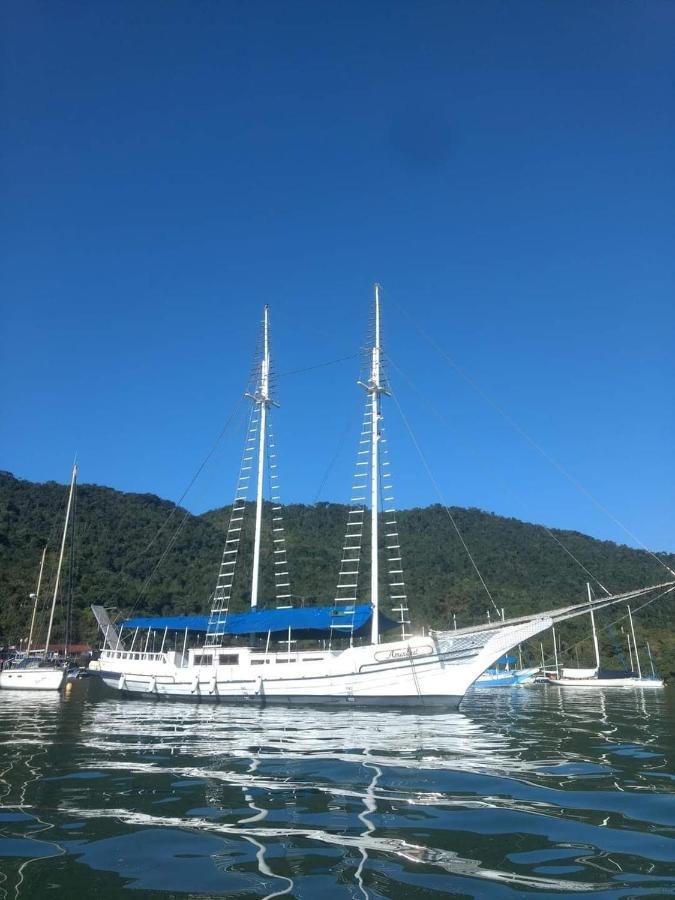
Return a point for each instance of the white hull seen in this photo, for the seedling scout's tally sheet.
(606, 682)
(32, 679)
(420, 671)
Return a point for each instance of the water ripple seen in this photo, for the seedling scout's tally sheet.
(529, 791)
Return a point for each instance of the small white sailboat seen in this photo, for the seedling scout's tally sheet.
(35, 672)
(332, 654)
(602, 678)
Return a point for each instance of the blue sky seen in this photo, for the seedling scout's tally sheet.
(505, 170)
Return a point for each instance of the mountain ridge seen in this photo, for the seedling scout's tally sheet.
(121, 537)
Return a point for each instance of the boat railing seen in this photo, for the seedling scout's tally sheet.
(139, 655)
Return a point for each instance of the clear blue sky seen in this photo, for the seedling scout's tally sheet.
(505, 170)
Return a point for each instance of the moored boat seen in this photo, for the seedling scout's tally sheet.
(598, 677)
(36, 672)
(332, 654)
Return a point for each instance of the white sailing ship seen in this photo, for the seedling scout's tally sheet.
(332, 654)
(32, 671)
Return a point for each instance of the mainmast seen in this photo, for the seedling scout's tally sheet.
(375, 388)
(263, 400)
(63, 547)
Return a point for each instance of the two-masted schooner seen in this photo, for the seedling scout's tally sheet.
(330, 654)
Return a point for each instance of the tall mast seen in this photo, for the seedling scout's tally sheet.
(375, 390)
(36, 595)
(63, 547)
(262, 398)
(595, 636)
(637, 655)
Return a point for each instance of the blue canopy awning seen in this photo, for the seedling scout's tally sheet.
(312, 621)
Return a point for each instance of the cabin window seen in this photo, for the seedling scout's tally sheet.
(228, 659)
(203, 659)
(311, 659)
(285, 661)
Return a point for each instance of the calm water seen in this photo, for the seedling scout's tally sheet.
(527, 792)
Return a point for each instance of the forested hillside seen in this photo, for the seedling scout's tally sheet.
(122, 539)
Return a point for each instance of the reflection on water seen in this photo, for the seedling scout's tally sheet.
(531, 790)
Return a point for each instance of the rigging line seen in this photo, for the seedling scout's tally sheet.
(621, 618)
(339, 448)
(322, 365)
(159, 562)
(440, 496)
(530, 440)
(235, 412)
(548, 531)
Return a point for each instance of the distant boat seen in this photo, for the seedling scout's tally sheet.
(604, 678)
(27, 672)
(331, 654)
(504, 673)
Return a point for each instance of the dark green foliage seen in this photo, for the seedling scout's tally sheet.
(121, 538)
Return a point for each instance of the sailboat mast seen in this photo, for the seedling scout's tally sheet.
(262, 398)
(632, 630)
(595, 636)
(37, 600)
(63, 547)
(375, 391)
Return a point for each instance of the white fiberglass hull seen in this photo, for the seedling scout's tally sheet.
(606, 682)
(421, 671)
(32, 679)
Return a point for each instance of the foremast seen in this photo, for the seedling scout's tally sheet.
(258, 457)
